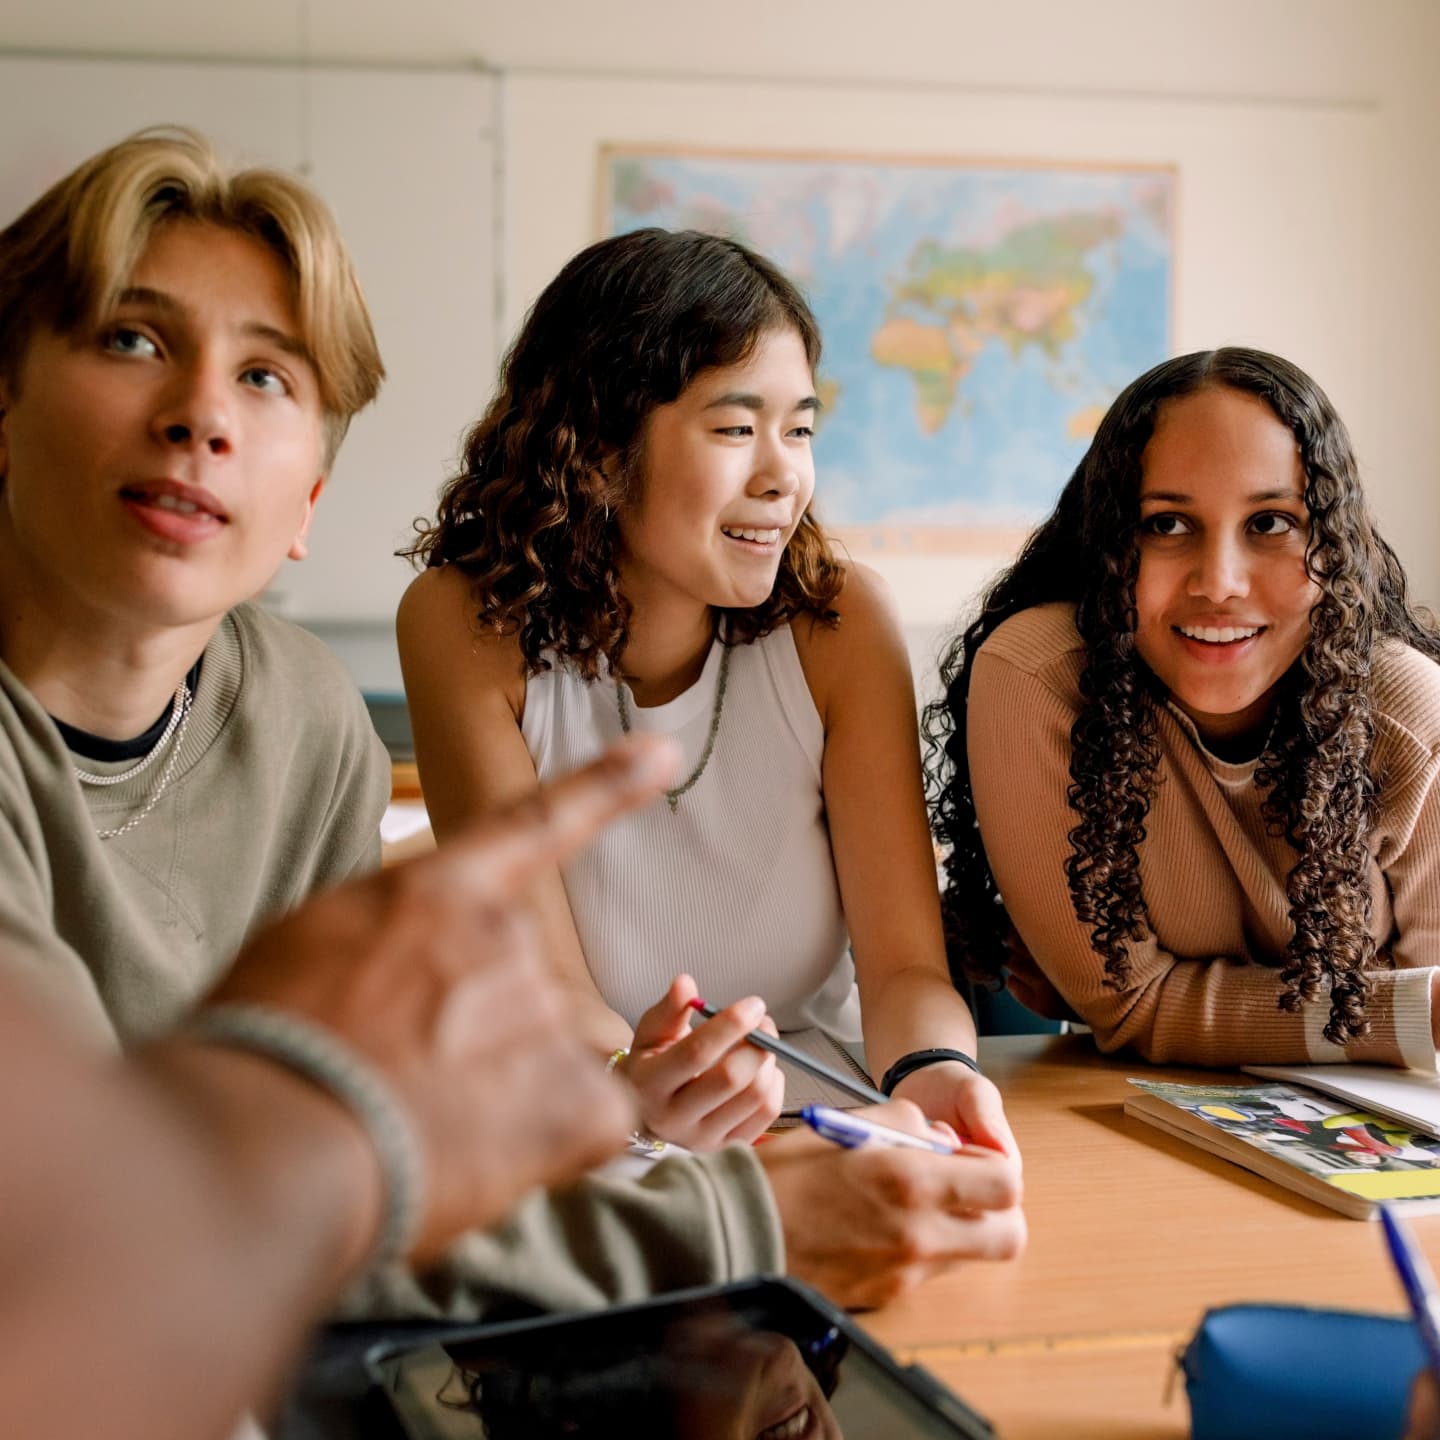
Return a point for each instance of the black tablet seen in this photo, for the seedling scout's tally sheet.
(766, 1360)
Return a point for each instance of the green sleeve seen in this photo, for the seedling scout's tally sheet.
(692, 1220)
(29, 944)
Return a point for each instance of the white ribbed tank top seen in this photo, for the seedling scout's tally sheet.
(738, 886)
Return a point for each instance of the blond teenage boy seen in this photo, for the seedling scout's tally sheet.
(181, 351)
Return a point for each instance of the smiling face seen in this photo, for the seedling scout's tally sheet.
(1223, 597)
(158, 468)
(725, 475)
(745, 1384)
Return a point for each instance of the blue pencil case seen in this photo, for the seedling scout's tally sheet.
(1285, 1372)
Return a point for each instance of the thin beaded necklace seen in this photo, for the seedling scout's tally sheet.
(672, 797)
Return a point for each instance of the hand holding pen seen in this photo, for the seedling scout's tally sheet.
(844, 1127)
(869, 1221)
(967, 1101)
(972, 1108)
(703, 1088)
(769, 1039)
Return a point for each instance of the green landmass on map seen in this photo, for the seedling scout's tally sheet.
(827, 391)
(1026, 290)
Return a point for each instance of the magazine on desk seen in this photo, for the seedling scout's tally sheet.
(1409, 1095)
(1342, 1152)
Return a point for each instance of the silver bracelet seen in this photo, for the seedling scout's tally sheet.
(323, 1058)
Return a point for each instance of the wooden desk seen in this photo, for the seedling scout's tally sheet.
(404, 780)
(401, 839)
(1133, 1235)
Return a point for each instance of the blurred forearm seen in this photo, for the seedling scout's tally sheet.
(173, 1224)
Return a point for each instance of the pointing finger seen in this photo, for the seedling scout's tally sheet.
(502, 855)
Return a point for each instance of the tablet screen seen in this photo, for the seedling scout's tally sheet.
(758, 1365)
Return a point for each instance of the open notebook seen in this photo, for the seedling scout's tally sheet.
(802, 1088)
(1409, 1095)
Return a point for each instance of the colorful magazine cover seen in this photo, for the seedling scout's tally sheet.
(1370, 1156)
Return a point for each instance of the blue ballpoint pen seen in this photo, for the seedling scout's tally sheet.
(852, 1131)
(1419, 1282)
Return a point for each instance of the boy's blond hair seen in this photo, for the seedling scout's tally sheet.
(66, 260)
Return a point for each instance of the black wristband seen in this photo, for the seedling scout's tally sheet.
(918, 1060)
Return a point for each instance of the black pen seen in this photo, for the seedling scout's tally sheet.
(858, 1088)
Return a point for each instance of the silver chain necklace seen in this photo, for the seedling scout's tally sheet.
(176, 727)
(672, 797)
(177, 706)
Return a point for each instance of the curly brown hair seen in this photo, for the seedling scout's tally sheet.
(1316, 770)
(623, 328)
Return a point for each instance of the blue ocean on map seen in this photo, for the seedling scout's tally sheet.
(978, 319)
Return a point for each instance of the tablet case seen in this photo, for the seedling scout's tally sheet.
(916, 1391)
(1286, 1372)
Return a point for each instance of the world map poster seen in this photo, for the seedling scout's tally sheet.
(978, 318)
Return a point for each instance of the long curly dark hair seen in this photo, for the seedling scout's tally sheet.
(624, 327)
(1321, 791)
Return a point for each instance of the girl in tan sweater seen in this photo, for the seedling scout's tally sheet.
(1186, 759)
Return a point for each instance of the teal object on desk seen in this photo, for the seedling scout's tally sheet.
(1285, 1372)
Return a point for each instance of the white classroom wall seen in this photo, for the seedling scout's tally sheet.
(1304, 132)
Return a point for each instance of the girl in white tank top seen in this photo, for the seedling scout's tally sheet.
(631, 547)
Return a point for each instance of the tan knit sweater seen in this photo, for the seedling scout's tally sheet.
(1203, 987)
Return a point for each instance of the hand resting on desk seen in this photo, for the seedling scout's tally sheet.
(969, 1103)
(864, 1226)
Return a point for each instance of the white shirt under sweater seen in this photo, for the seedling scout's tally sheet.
(737, 887)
